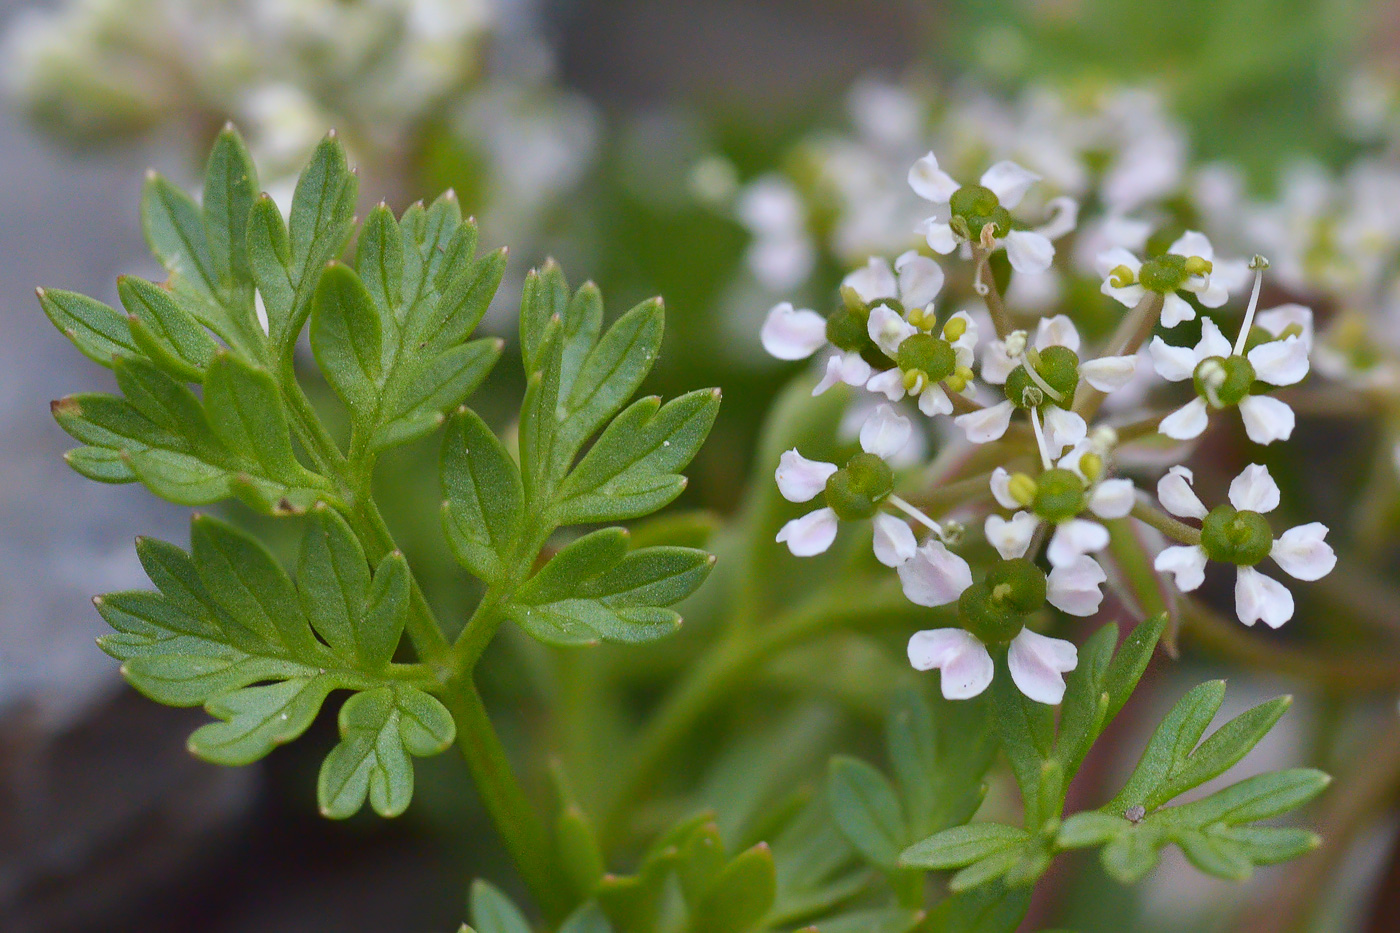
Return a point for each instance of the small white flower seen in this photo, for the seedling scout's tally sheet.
(935, 576)
(986, 424)
(1122, 273)
(1030, 251)
(800, 479)
(1301, 552)
(847, 367)
(790, 334)
(1037, 663)
(1074, 587)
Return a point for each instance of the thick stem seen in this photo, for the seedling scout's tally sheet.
(1178, 531)
(1344, 674)
(520, 827)
(1131, 334)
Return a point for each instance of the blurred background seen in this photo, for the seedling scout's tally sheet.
(725, 154)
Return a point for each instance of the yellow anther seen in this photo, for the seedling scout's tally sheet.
(914, 381)
(1197, 265)
(964, 373)
(852, 298)
(921, 318)
(1091, 465)
(1022, 488)
(955, 328)
(1121, 277)
(1292, 330)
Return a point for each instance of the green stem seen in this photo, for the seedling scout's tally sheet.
(1131, 334)
(1177, 531)
(996, 307)
(725, 667)
(525, 836)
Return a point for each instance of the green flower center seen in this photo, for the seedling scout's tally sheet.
(994, 609)
(930, 355)
(1164, 275)
(1224, 380)
(1059, 495)
(846, 328)
(978, 206)
(856, 491)
(1239, 537)
(1057, 367)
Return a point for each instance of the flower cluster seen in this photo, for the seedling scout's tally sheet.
(1042, 408)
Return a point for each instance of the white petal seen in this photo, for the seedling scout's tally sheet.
(934, 401)
(1038, 665)
(1186, 422)
(790, 334)
(1029, 252)
(1074, 587)
(1011, 537)
(930, 182)
(1259, 597)
(1212, 342)
(1186, 562)
(847, 367)
(966, 667)
(889, 383)
(1280, 362)
(1277, 320)
(1009, 182)
(1192, 243)
(1112, 498)
(1109, 373)
(811, 534)
(800, 479)
(889, 329)
(1172, 363)
(1128, 296)
(873, 280)
(1001, 489)
(997, 364)
(920, 279)
(1303, 553)
(1057, 331)
(938, 235)
(894, 542)
(1064, 216)
(934, 576)
(1212, 293)
(1073, 538)
(1176, 495)
(885, 433)
(1108, 260)
(1062, 428)
(989, 424)
(1254, 490)
(1176, 309)
(1266, 419)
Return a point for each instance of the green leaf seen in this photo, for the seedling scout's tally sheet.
(379, 258)
(255, 720)
(100, 464)
(1131, 855)
(431, 326)
(333, 580)
(175, 232)
(493, 912)
(595, 590)
(421, 391)
(1130, 662)
(700, 862)
(346, 337)
(1171, 744)
(867, 810)
(230, 186)
(1083, 713)
(963, 845)
(166, 333)
(95, 328)
(483, 498)
(1255, 798)
(634, 467)
(244, 409)
(989, 868)
(1090, 828)
(741, 895)
(1222, 750)
(587, 919)
(913, 749)
(269, 258)
(546, 296)
(580, 855)
(878, 920)
(379, 729)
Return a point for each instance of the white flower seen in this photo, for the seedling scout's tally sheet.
(848, 367)
(1217, 364)
(935, 576)
(986, 424)
(790, 334)
(915, 280)
(1030, 251)
(888, 329)
(1122, 275)
(884, 434)
(1301, 552)
(1073, 584)
(1037, 663)
(1074, 587)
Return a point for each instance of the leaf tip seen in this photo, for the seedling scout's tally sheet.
(68, 405)
(152, 175)
(39, 292)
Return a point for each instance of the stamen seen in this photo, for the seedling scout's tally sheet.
(1026, 359)
(1040, 440)
(914, 513)
(1258, 264)
(979, 286)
